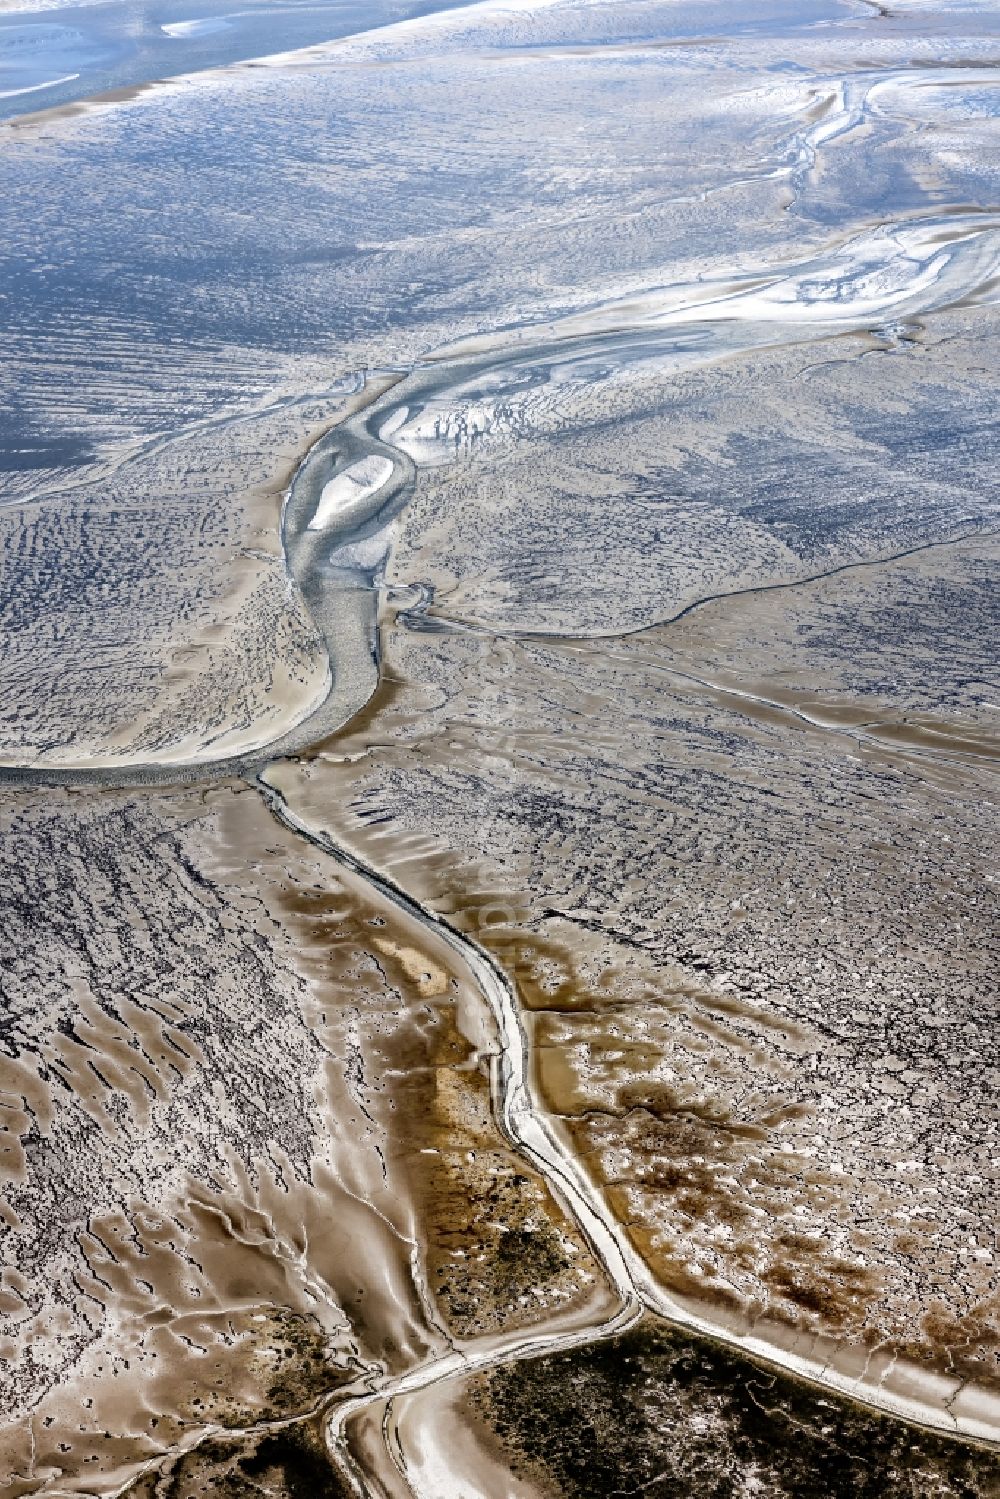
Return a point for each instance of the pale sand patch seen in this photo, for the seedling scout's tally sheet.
(428, 976)
(447, 1453)
(350, 488)
(205, 27)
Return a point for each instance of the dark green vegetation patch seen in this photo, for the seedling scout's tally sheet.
(286, 1463)
(657, 1414)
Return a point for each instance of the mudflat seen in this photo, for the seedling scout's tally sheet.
(498, 745)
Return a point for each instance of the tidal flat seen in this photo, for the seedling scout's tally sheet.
(498, 749)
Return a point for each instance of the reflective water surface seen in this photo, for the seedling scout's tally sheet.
(498, 739)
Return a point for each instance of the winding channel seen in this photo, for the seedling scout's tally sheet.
(329, 564)
(913, 273)
(532, 1134)
(884, 273)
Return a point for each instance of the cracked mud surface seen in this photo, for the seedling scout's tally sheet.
(739, 869)
(497, 985)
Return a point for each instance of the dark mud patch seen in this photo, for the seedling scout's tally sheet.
(291, 1463)
(656, 1413)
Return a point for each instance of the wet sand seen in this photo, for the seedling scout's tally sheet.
(496, 798)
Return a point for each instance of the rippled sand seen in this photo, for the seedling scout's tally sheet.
(498, 738)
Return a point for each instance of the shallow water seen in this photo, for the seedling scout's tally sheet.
(69, 52)
(497, 725)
